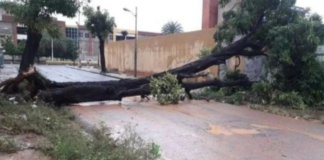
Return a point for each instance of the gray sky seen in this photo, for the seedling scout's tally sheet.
(153, 14)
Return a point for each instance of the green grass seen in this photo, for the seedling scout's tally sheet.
(322, 119)
(67, 140)
(8, 146)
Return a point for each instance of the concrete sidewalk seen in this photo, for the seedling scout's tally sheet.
(8, 71)
(97, 71)
(68, 74)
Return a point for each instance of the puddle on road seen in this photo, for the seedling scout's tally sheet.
(220, 130)
(314, 136)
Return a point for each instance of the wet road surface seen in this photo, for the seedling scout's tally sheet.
(67, 74)
(210, 131)
(8, 71)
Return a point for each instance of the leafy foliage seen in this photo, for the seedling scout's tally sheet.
(36, 14)
(234, 75)
(289, 36)
(204, 52)
(166, 89)
(99, 22)
(262, 92)
(13, 49)
(172, 27)
(288, 100)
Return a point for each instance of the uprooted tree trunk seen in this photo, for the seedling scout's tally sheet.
(25, 70)
(32, 45)
(68, 93)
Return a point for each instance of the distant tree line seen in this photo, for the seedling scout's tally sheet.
(64, 48)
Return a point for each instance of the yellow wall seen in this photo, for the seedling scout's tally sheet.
(157, 54)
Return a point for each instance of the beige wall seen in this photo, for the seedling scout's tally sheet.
(157, 54)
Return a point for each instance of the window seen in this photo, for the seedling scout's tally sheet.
(80, 34)
(86, 35)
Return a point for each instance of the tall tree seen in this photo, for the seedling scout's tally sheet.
(291, 36)
(10, 48)
(100, 24)
(36, 16)
(172, 27)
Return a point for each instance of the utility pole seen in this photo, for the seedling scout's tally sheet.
(52, 44)
(136, 37)
(78, 38)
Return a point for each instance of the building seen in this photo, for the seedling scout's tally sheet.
(213, 12)
(89, 44)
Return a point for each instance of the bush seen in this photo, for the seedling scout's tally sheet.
(237, 98)
(204, 52)
(288, 99)
(166, 89)
(210, 94)
(234, 76)
(261, 93)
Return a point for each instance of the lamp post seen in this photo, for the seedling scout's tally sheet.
(52, 45)
(135, 54)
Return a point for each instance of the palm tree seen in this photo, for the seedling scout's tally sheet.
(172, 27)
(100, 24)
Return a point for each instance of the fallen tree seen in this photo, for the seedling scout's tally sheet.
(67, 93)
(255, 19)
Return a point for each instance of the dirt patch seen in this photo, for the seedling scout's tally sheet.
(220, 130)
(25, 155)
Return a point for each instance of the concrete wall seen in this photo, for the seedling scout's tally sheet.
(157, 54)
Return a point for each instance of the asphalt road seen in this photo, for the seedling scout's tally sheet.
(67, 74)
(210, 131)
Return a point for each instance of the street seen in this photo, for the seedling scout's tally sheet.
(210, 131)
(196, 129)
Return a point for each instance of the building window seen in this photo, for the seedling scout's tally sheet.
(80, 34)
(86, 35)
(111, 37)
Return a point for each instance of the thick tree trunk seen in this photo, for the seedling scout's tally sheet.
(67, 93)
(31, 49)
(102, 55)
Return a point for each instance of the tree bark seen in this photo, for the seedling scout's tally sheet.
(68, 93)
(102, 55)
(31, 50)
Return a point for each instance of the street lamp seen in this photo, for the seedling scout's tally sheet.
(135, 55)
(78, 40)
(93, 25)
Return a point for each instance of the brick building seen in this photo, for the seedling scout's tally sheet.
(89, 44)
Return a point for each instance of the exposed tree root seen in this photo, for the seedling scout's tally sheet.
(11, 85)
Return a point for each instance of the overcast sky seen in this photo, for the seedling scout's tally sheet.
(153, 14)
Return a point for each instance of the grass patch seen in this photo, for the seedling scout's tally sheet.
(66, 140)
(322, 119)
(8, 146)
